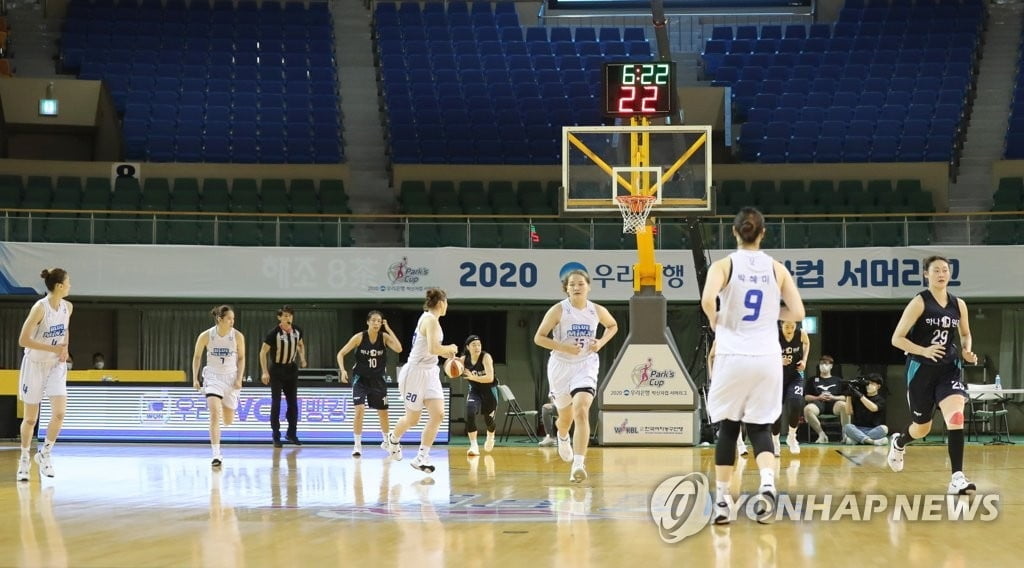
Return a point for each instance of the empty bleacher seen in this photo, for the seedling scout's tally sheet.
(213, 82)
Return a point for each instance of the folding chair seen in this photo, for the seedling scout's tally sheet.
(526, 418)
(988, 408)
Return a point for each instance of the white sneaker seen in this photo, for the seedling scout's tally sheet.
(794, 445)
(489, 444)
(578, 474)
(217, 460)
(422, 463)
(384, 445)
(24, 467)
(722, 515)
(822, 439)
(45, 467)
(474, 450)
(895, 457)
(960, 485)
(883, 441)
(565, 449)
(357, 450)
(547, 442)
(741, 448)
(777, 445)
(766, 500)
(394, 448)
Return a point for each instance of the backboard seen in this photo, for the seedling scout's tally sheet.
(600, 163)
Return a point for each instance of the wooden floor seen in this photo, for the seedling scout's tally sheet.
(163, 505)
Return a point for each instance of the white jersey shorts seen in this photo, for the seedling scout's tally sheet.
(222, 387)
(564, 377)
(746, 388)
(38, 379)
(419, 384)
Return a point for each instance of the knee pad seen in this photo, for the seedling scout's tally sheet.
(725, 448)
(489, 420)
(760, 438)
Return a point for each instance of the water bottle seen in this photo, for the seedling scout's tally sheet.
(999, 382)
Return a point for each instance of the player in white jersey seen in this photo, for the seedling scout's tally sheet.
(419, 380)
(569, 330)
(44, 370)
(747, 371)
(221, 379)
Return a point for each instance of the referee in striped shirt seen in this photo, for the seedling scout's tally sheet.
(277, 361)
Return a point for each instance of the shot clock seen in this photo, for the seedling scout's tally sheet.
(639, 89)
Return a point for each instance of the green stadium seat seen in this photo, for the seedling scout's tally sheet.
(216, 197)
(549, 235)
(274, 195)
(122, 229)
(887, 234)
(185, 195)
(795, 235)
(245, 196)
(423, 234)
(858, 235)
(486, 234)
(608, 236)
(156, 194)
(501, 195)
(672, 234)
(919, 233)
(38, 193)
(1002, 233)
(452, 234)
(127, 195)
(67, 194)
(531, 192)
(514, 234)
(442, 192)
(304, 199)
(824, 235)
(576, 236)
(66, 230)
(305, 234)
(11, 188)
(177, 231)
(333, 198)
(472, 193)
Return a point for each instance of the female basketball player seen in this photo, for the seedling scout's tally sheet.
(221, 378)
(796, 346)
(420, 382)
(569, 330)
(44, 369)
(482, 398)
(748, 363)
(927, 333)
(368, 385)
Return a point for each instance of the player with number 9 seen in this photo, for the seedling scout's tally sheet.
(749, 285)
(368, 385)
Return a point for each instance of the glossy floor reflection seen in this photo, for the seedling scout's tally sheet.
(163, 505)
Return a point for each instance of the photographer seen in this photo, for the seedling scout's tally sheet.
(868, 407)
(824, 396)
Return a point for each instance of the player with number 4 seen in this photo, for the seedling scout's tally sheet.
(419, 381)
(749, 285)
(569, 330)
(927, 332)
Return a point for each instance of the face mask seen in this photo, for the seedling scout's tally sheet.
(69, 365)
(825, 367)
(99, 365)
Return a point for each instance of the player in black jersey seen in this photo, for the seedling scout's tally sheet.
(368, 385)
(927, 333)
(482, 398)
(796, 346)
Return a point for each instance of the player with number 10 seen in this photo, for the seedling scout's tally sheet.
(749, 285)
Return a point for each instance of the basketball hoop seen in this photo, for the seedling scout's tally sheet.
(635, 209)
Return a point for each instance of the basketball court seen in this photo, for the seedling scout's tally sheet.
(162, 505)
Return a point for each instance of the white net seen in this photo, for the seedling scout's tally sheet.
(634, 209)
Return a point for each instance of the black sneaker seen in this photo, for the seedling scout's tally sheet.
(293, 438)
(278, 443)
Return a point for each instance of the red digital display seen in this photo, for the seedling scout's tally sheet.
(639, 89)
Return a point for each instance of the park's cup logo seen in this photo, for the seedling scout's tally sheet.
(681, 506)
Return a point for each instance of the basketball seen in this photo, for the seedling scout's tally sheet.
(454, 368)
